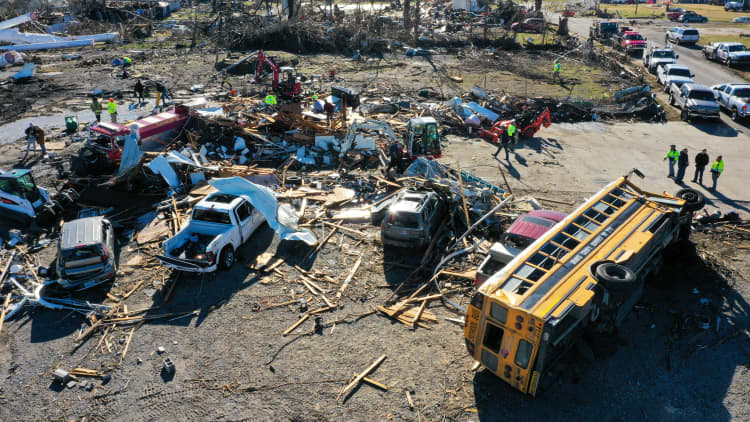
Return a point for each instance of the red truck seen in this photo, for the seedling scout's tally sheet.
(632, 42)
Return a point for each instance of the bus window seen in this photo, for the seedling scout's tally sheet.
(523, 354)
(499, 313)
(493, 337)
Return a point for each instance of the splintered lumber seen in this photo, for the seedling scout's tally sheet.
(360, 377)
(469, 274)
(374, 383)
(409, 399)
(320, 244)
(127, 345)
(418, 315)
(349, 277)
(5, 309)
(95, 325)
(127, 295)
(295, 325)
(346, 229)
(83, 372)
(402, 317)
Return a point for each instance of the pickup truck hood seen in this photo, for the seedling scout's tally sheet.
(659, 62)
(635, 43)
(679, 79)
(702, 104)
(739, 54)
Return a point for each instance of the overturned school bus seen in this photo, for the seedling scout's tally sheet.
(585, 273)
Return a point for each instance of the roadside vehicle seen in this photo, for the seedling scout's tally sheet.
(603, 30)
(682, 35)
(695, 101)
(676, 74)
(632, 42)
(218, 226)
(86, 253)
(733, 6)
(582, 276)
(673, 14)
(656, 57)
(692, 17)
(528, 25)
(521, 233)
(412, 219)
(741, 19)
(734, 98)
(729, 53)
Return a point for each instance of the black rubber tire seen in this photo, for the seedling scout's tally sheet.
(616, 277)
(293, 180)
(694, 200)
(684, 116)
(226, 258)
(735, 114)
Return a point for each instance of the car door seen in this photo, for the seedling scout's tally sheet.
(726, 96)
(244, 218)
(723, 52)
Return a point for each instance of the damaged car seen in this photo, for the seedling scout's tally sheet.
(413, 219)
(86, 253)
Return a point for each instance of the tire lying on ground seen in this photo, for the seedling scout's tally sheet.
(694, 200)
(616, 278)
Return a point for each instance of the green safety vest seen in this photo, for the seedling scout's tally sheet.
(511, 130)
(315, 96)
(557, 67)
(112, 107)
(672, 155)
(96, 107)
(270, 100)
(127, 60)
(718, 166)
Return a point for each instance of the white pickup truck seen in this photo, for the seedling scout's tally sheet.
(219, 225)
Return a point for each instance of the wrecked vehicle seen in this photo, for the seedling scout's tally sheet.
(21, 200)
(585, 274)
(218, 226)
(412, 219)
(603, 30)
(498, 257)
(86, 253)
(422, 139)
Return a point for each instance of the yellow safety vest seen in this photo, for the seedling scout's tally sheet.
(557, 67)
(718, 166)
(315, 96)
(112, 107)
(127, 60)
(511, 130)
(672, 155)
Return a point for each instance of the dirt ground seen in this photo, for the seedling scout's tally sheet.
(232, 363)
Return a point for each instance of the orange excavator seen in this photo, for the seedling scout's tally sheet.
(494, 133)
(289, 87)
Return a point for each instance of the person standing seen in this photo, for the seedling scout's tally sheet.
(717, 168)
(672, 156)
(683, 161)
(96, 107)
(505, 141)
(34, 136)
(556, 71)
(395, 154)
(329, 109)
(270, 101)
(112, 109)
(701, 161)
(138, 90)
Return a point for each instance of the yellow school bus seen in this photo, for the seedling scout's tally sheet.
(584, 273)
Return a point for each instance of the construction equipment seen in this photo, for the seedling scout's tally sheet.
(526, 128)
(422, 139)
(288, 87)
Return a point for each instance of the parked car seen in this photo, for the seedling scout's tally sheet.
(412, 219)
(733, 6)
(674, 74)
(86, 253)
(673, 14)
(218, 226)
(528, 25)
(695, 101)
(682, 35)
(729, 53)
(692, 17)
(500, 255)
(741, 19)
(734, 98)
(656, 57)
(632, 42)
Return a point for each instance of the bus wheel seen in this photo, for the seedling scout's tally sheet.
(694, 200)
(616, 277)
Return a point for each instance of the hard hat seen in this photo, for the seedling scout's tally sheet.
(111, 99)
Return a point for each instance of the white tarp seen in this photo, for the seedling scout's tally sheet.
(160, 165)
(131, 155)
(14, 36)
(280, 217)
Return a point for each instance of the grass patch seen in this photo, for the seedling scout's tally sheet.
(628, 11)
(709, 38)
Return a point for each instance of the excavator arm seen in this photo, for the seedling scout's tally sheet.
(262, 58)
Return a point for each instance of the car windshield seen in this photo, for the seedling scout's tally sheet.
(634, 37)
(405, 219)
(737, 48)
(610, 26)
(679, 72)
(742, 92)
(702, 95)
(663, 54)
(211, 216)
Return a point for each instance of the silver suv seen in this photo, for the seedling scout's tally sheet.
(86, 253)
(682, 35)
(695, 101)
(413, 219)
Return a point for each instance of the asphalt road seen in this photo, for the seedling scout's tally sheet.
(706, 72)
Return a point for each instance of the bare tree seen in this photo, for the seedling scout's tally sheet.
(417, 11)
(407, 16)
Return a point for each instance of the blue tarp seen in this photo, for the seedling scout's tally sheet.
(280, 217)
(26, 71)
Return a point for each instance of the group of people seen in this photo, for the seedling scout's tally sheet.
(682, 161)
(162, 95)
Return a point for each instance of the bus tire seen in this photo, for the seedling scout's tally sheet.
(616, 277)
(694, 200)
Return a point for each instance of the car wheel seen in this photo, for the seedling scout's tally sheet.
(616, 277)
(694, 200)
(684, 115)
(704, 20)
(735, 114)
(226, 259)
(671, 99)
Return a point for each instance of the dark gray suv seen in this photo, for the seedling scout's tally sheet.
(412, 219)
(86, 253)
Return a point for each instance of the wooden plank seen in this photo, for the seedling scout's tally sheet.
(374, 383)
(127, 295)
(362, 375)
(127, 345)
(349, 277)
(295, 325)
(418, 315)
(5, 309)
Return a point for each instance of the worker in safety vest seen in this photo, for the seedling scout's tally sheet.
(270, 101)
(672, 156)
(314, 96)
(112, 109)
(96, 107)
(556, 71)
(716, 169)
(126, 62)
(506, 140)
